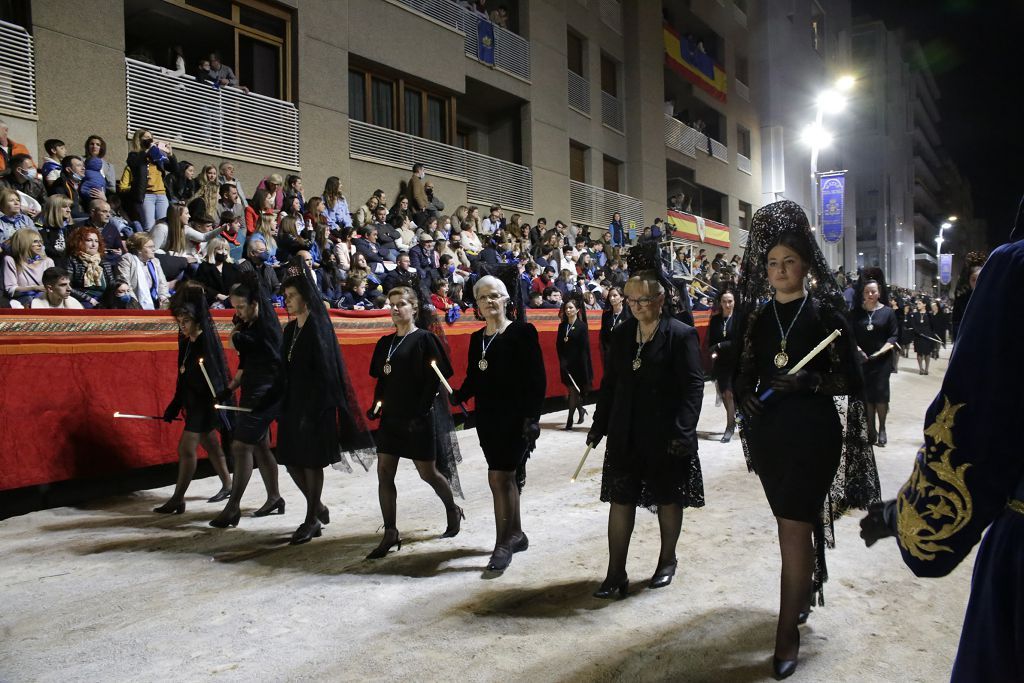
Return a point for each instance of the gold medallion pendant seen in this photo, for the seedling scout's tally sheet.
(636, 364)
(482, 364)
(781, 359)
(387, 368)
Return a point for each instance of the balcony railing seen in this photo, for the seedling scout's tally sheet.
(17, 70)
(739, 15)
(681, 137)
(611, 15)
(743, 163)
(488, 180)
(592, 205)
(611, 111)
(221, 121)
(742, 89)
(718, 150)
(579, 93)
(443, 11)
(511, 51)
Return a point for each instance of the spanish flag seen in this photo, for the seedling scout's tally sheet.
(697, 229)
(693, 65)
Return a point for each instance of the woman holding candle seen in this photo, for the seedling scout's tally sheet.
(572, 344)
(876, 330)
(812, 466)
(723, 347)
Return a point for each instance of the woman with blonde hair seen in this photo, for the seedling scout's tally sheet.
(176, 243)
(204, 201)
(11, 217)
(24, 266)
(56, 226)
(217, 273)
(266, 232)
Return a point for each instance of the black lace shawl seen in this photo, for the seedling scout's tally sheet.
(190, 299)
(856, 483)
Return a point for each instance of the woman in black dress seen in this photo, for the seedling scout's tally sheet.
(875, 330)
(811, 465)
(319, 419)
(572, 344)
(197, 340)
(505, 374)
(648, 406)
(940, 322)
(924, 335)
(257, 339)
(907, 328)
(897, 311)
(615, 313)
(407, 402)
(724, 350)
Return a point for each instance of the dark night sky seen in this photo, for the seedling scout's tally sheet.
(974, 50)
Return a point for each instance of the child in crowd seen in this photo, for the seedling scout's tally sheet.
(94, 179)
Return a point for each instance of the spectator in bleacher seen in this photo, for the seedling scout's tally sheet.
(11, 217)
(96, 147)
(93, 183)
(366, 246)
(401, 276)
(435, 205)
(618, 233)
(182, 185)
(233, 234)
(552, 298)
(143, 177)
(200, 232)
(470, 240)
(9, 148)
(335, 204)
(367, 212)
(55, 151)
(220, 73)
(142, 271)
(56, 224)
(493, 223)
(56, 291)
(256, 258)
(315, 211)
(293, 207)
(217, 273)
(274, 185)
(424, 259)
(90, 273)
(227, 175)
(176, 242)
(343, 249)
(262, 204)
(389, 235)
(354, 297)
(118, 296)
(72, 172)
(267, 231)
(203, 201)
(293, 185)
(99, 218)
(21, 175)
(228, 200)
(416, 193)
(24, 265)
(400, 210)
(289, 242)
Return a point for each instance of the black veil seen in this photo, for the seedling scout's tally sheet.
(190, 299)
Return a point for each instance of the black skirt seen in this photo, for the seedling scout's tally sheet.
(201, 417)
(406, 437)
(876, 379)
(250, 428)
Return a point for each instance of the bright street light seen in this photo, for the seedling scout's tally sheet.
(946, 226)
(816, 136)
(831, 101)
(845, 82)
(951, 219)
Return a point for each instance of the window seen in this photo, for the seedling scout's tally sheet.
(357, 96)
(577, 162)
(743, 220)
(383, 105)
(413, 112)
(612, 169)
(609, 76)
(742, 69)
(817, 27)
(574, 53)
(743, 141)
(437, 119)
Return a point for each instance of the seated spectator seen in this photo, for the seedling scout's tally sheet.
(56, 226)
(400, 210)
(143, 273)
(256, 259)
(343, 249)
(55, 150)
(434, 203)
(494, 222)
(401, 276)
(56, 291)
(232, 225)
(354, 297)
(267, 232)
(360, 270)
(367, 212)
(566, 283)
(93, 184)
(585, 268)
(328, 276)
(24, 265)
(203, 202)
(227, 176)
(177, 243)
(406, 236)
(71, 175)
(142, 180)
(439, 296)
(488, 256)
(199, 233)
(262, 204)
(590, 301)
(96, 147)
(11, 217)
(99, 218)
(217, 274)
(366, 246)
(536, 300)
(552, 298)
(21, 175)
(273, 184)
(470, 241)
(289, 242)
(424, 259)
(89, 272)
(182, 185)
(293, 186)
(293, 208)
(335, 204)
(228, 201)
(8, 147)
(118, 296)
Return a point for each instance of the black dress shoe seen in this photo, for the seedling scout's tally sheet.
(501, 558)
(783, 668)
(727, 437)
(881, 439)
(275, 508)
(391, 539)
(324, 515)
(170, 508)
(223, 522)
(455, 523)
(306, 532)
(803, 616)
(582, 416)
(223, 494)
(520, 543)
(608, 589)
(663, 576)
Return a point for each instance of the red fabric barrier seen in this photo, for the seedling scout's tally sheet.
(65, 373)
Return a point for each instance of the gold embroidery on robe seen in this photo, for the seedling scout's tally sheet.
(932, 511)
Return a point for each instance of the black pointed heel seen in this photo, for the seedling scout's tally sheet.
(221, 522)
(784, 668)
(453, 529)
(386, 544)
(663, 575)
(306, 532)
(324, 515)
(608, 589)
(582, 416)
(223, 494)
(882, 440)
(274, 508)
(170, 508)
(520, 543)
(727, 436)
(501, 558)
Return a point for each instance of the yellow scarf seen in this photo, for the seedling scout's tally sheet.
(93, 271)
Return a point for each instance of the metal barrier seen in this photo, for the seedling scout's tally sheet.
(743, 163)
(611, 111)
(681, 137)
(220, 120)
(718, 150)
(579, 93)
(511, 51)
(742, 89)
(17, 70)
(488, 180)
(592, 205)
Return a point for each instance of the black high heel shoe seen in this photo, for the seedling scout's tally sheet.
(520, 543)
(453, 529)
(324, 515)
(784, 668)
(727, 436)
(170, 508)
(609, 588)
(274, 508)
(306, 532)
(223, 494)
(882, 440)
(663, 575)
(582, 415)
(221, 522)
(501, 558)
(386, 544)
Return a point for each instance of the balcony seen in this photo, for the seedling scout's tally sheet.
(594, 206)
(488, 180)
(686, 140)
(511, 51)
(611, 15)
(611, 111)
(218, 121)
(579, 93)
(743, 163)
(742, 89)
(17, 71)
(739, 15)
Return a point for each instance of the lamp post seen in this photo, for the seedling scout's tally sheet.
(945, 225)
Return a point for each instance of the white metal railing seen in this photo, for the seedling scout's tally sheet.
(611, 111)
(592, 205)
(224, 121)
(718, 150)
(743, 163)
(443, 11)
(742, 89)
(17, 70)
(511, 51)
(611, 15)
(579, 93)
(739, 15)
(681, 137)
(488, 180)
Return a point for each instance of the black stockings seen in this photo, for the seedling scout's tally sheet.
(729, 399)
(243, 454)
(622, 518)
(188, 447)
(795, 589)
(311, 482)
(387, 493)
(575, 405)
(507, 520)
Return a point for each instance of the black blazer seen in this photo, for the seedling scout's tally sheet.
(217, 281)
(655, 409)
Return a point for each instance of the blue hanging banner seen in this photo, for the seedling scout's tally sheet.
(485, 42)
(832, 191)
(945, 268)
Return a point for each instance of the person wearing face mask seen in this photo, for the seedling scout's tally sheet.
(217, 274)
(256, 257)
(142, 271)
(118, 296)
(143, 177)
(71, 176)
(23, 177)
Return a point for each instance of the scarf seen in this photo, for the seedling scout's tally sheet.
(93, 271)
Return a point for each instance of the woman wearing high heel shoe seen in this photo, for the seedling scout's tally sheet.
(876, 330)
(723, 347)
(415, 422)
(797, 439)
(615, 313)
(257, 339)
(924, 335)
(505, 374)
(648, 406)
(572, 344)
(319, 421)
(197, 341)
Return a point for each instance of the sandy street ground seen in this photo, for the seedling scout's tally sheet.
(112, 592)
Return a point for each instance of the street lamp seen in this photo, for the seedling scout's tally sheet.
(831, 101)
(945, 225)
